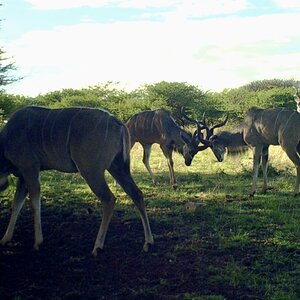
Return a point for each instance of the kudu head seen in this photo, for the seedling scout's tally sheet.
(213, 141)
(191, 146)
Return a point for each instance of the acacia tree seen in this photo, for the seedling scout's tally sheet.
(5, 70)
(175, 96)
(6, 67)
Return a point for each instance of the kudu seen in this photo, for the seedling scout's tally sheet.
(157, 126)
(260, 129)
(297, 100)
(84, 140)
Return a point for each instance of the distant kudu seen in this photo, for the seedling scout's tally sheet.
(69, 140)
(260, 129)
(157, 126)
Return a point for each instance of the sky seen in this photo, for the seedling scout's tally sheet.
(213, 44)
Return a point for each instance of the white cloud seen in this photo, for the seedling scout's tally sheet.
(152, 3)
(192, 8)
(64, 4)
(184, 7)
(214, 54)
(288, 3)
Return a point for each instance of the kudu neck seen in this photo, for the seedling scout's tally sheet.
(178, 141)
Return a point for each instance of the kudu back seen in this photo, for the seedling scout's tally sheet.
(157, 126)
(84, 140)
(260, 129)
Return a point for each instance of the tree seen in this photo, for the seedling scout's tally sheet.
(6, 66)
(5, 69)
(268, 84)
(175, 96)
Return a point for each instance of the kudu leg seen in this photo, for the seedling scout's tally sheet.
(264, 163)
(34, 189)
(168, 154)
(18, 202)
(257, 151)
(296, 190)
(107, 212)
(124, 178)
(146, 157)
(295, 158)
(98, 185)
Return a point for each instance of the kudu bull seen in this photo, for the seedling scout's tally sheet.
(260, 129)
(69, 140)
(157, 126)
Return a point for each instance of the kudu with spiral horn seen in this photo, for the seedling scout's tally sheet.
(157, 126)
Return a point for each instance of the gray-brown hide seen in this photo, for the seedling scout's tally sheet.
(262, 128)
(83, 140)
(157, 126)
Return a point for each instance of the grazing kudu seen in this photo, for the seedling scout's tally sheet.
(157, 126)
(84, 140)
(260, 129)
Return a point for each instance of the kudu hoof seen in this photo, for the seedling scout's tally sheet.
(3, 243)
(147, 246)
(9, 243)
(95, 251)
(36, 247)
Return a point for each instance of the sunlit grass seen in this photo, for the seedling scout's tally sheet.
(250, 246)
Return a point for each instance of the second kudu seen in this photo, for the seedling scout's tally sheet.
(157, 126)
(260, 129)
(69, 140)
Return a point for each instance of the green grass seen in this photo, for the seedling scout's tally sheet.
(230, 247)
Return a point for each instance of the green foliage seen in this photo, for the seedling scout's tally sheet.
(230, 247)
(276, 97)
(238, 101)
(260, 85)
(173, 96)
(10, 103)
(106, 96)
(6, 68)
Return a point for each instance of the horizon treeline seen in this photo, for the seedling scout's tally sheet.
(172, 96)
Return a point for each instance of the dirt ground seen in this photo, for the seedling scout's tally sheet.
(65, 269)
